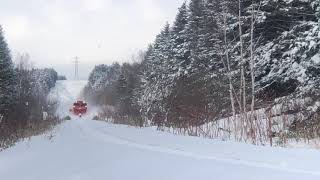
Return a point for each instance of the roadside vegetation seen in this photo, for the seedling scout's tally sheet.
(24, 109)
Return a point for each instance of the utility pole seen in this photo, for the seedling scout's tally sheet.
(76, 68)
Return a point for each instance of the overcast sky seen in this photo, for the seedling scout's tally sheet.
(98, 31)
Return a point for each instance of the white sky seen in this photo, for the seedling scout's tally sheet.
(98, 31)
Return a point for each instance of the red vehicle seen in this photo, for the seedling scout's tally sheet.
(79, 108)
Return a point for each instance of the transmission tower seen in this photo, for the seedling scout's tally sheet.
(76, 68)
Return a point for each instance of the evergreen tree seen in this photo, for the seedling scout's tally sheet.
(7, 76)
(156, 86)
(123, 96)
(179, 38)
(288, 33)
(210, 40)
(194, 29)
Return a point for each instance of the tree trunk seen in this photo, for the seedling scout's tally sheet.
(242, 76)
(252, 72)
(228, 64)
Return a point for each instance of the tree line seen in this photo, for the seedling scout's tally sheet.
(23, 97)
(221, 58)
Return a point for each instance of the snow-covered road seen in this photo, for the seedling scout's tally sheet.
(89, 150)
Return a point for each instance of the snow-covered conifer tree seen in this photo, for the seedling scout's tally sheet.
(7, 76)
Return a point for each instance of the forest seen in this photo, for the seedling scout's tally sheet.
(23, 97)
(244, 69)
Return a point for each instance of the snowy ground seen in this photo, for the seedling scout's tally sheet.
(89, 150)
